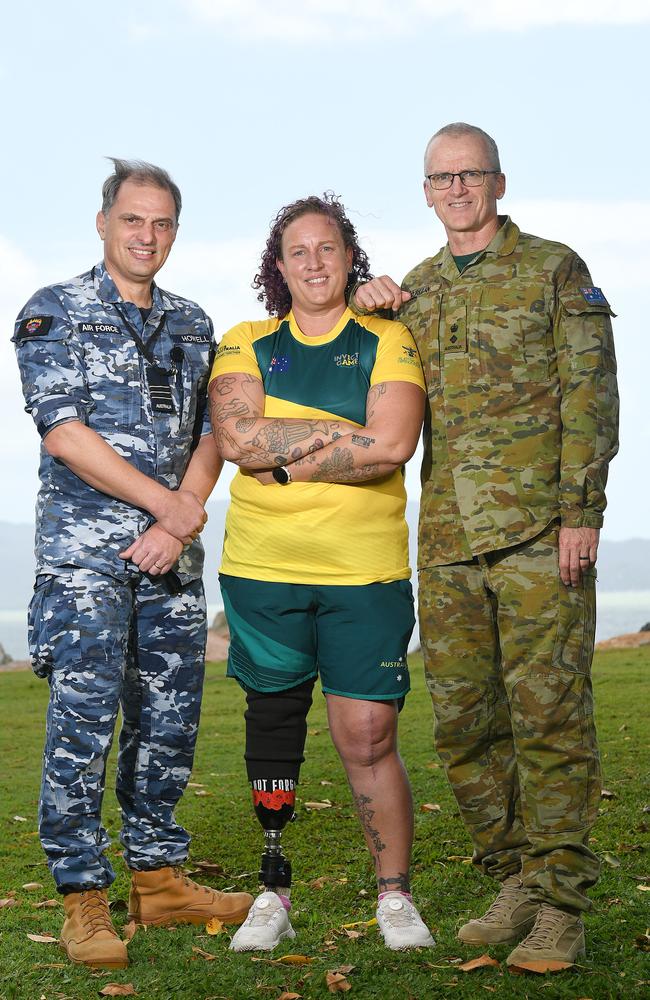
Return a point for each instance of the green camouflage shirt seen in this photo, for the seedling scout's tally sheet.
(522, 412)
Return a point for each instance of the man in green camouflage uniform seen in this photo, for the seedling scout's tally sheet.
(517, 351)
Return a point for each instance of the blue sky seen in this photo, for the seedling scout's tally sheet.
(252, 103)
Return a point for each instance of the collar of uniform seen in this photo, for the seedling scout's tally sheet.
(503, 243)
(106, 290)
(505, 239)
(324, 338)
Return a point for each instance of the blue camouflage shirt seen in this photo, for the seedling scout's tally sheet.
(79, 360)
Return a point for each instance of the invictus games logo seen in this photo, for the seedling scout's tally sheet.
(346, 360)
(412, 353)
(228, 349)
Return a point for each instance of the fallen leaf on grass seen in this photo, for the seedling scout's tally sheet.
(324, 782)
(214, 926)
(294, 960)
(209, 867)
(643, 888)
(353, 934)
(433, 765)
(128, 931)
(46, 904)
(539, 967)
(482, 962)
(203, 794)
(642, 942)
(611, 860)
(289, 996)
(43, 938)
(9, 901)
(606, 794)
(345, 970)
(19, 819)
(195, 784)
(430, 807)
(325, 804)
(118, 990)
(459, 857)
(337, 983)
(32, 886)
(360, 923)
(207, 955)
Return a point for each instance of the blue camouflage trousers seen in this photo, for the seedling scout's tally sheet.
(105, 644)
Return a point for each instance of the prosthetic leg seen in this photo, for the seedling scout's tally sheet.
(276, 728)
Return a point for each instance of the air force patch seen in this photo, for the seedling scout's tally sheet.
(34, 326)
(594, 296)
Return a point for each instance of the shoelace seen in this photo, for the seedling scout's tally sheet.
(548, 922)
(398, 918)
(502, 902)
(189, 883)
(95, 910)
(257, 917)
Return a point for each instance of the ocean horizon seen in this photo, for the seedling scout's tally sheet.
(618, 612)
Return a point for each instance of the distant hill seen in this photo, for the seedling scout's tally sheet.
(621, 565)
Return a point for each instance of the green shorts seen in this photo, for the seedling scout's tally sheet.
(281, 634)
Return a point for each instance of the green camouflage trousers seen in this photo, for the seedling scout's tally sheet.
(507, 652)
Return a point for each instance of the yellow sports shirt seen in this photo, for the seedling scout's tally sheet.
(328, 533)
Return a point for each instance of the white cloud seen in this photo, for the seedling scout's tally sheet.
(351, 20)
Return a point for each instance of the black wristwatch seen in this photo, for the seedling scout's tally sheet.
(281, 475)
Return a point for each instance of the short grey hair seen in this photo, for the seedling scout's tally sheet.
(141, 173)
(458, 129)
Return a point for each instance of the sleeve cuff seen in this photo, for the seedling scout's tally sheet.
(581, 519)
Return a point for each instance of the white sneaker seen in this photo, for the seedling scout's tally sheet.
(265, 926)
(400, 923)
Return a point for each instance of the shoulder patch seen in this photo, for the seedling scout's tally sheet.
(594, 296)
(33, 326)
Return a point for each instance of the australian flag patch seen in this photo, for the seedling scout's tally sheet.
(594, 296)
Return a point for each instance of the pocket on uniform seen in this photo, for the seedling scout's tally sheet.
(574, 640)
(38, 627)
(513, 331)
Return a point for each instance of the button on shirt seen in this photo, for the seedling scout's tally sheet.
(79, 360)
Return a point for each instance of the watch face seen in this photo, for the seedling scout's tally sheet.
(281, 476)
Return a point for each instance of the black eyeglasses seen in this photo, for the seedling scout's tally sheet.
(468, 178)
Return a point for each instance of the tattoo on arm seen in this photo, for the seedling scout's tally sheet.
(339, 468)
(363, 442)
(363, 806)
(394, 883)
(373, 398)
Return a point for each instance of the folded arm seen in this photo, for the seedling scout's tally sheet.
(394, 412)
(249, 439)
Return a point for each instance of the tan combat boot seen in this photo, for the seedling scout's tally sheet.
(166, 896)
(510, 917)
(556, 937)
(88, 935)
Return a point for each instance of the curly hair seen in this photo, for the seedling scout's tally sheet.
(273, 290)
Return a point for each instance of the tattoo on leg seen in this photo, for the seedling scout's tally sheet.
(362, 803)
(394, 883)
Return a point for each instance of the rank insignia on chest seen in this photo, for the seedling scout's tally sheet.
(160, 391)
(594, 296)
(34, 326)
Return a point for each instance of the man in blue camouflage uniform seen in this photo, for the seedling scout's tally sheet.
(114, 373)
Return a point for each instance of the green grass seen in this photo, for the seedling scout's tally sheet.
(329, 843)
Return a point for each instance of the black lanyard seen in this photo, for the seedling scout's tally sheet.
(145, 348)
